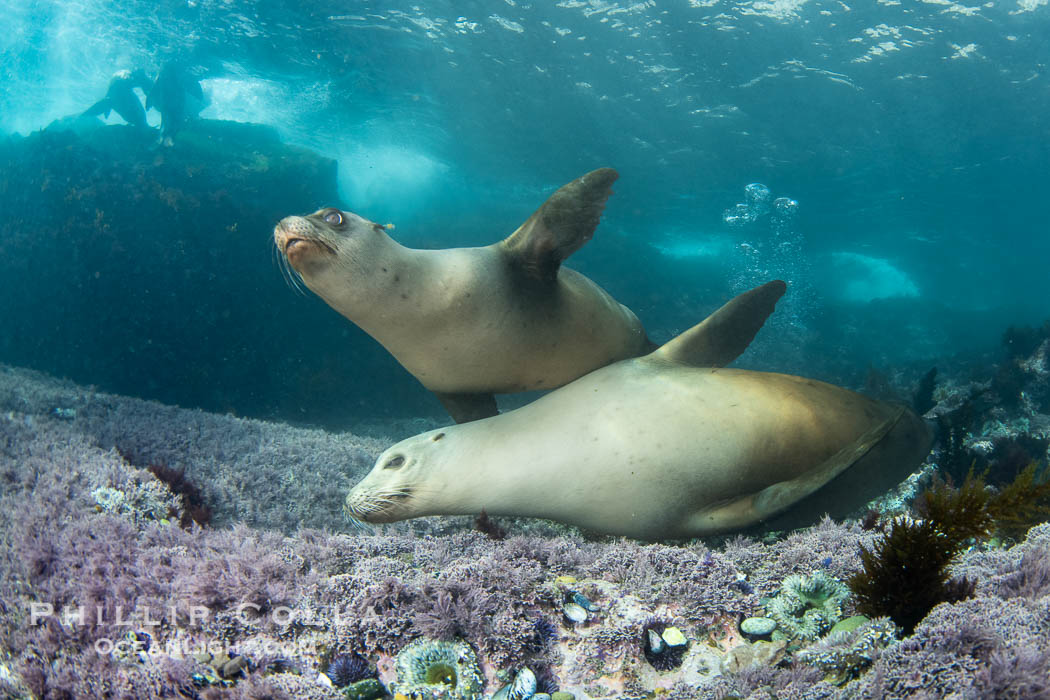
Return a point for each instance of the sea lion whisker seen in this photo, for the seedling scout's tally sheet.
(356, 522)
(291, 276)
(380, 501)
(372, 505)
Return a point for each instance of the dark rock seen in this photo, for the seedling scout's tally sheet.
(149, 271)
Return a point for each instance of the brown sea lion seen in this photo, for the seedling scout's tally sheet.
(664, 446)
(473, 322)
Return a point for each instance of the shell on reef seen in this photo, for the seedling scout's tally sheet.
(656, 642)
(582, 600)
(427, 668)
(673, 637)
(574, 613)
(663, 646)
(522, 687)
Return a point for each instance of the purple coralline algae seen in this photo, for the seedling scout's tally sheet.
(94, 562)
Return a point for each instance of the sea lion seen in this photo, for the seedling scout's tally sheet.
(471, 322)
(178, 96)
(664, 446)
(121, 98)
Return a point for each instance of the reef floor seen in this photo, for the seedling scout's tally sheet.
(153, 551)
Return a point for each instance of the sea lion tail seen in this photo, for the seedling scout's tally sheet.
(562, 224)
(724, 335)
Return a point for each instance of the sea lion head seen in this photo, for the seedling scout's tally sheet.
(331, 251)
(403, 483)
(314, 242)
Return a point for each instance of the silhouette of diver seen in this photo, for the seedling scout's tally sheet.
(168, 96)
(121, 98)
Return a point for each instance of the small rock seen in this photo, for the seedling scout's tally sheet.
(367, 689)
(758, 627)
(754, 655)
(238, 665)
(849, 624)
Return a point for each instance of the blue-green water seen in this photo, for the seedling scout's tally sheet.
(912, 137)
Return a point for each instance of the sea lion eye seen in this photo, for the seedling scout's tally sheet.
(394, 462)
(333, 217)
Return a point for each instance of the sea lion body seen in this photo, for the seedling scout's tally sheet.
(121, 98)
(178, 96)
(472, 328)
(656, 448)
(470, 322)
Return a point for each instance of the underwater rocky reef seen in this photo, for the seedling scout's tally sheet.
(263, 592)
(150, 271)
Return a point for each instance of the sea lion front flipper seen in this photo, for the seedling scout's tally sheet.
(562, 224)
(724, 335)
(777, 498)
(100, 108)
(467, 407)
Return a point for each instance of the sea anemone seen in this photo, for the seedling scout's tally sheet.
(433, 669)
(807, 606)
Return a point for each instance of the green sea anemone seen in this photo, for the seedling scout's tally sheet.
(433, 669)
(807, 606)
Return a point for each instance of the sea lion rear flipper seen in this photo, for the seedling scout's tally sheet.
(724, 335)
(562, 224)
(468, 407)
(775, 499)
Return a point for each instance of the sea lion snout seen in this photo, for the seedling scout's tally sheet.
(298, 239)
(291, 230)
(366, 504)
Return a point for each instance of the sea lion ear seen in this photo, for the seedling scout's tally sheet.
(724, 335)
(562, 224)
